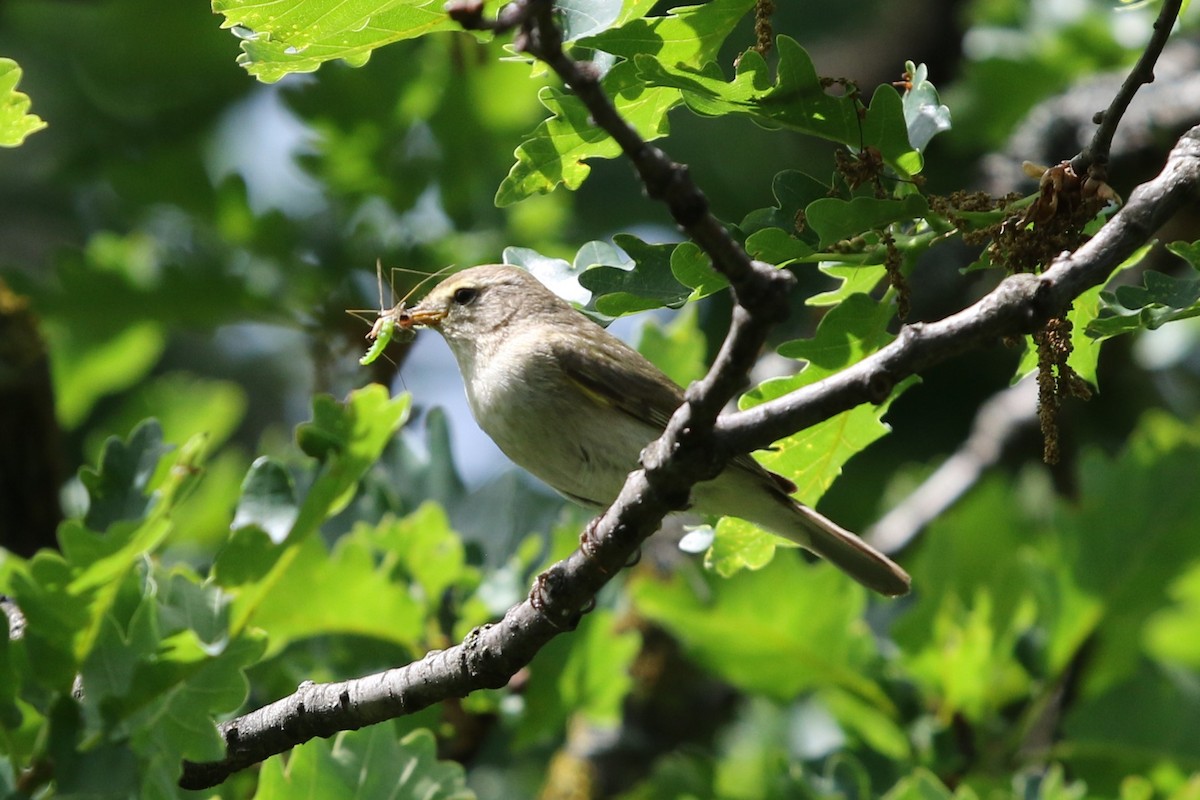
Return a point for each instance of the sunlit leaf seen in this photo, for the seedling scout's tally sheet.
(284, 36)
(557, 150)
(689, 35)
(16, 122)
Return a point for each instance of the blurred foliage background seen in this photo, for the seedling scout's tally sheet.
(188, 240)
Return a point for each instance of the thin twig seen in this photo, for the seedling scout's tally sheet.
(1095, 154)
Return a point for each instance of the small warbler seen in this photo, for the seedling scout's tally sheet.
(575, 406)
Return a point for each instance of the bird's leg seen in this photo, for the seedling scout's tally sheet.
(540, 597)
(587, 542)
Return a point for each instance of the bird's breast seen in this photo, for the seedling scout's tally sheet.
(551, 428)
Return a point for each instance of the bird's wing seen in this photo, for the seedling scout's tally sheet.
(619, 377)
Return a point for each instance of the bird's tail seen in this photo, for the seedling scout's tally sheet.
(855, 557)
(757, 496)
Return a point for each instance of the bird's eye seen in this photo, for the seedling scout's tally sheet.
(465, 295)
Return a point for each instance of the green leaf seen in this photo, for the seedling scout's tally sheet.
(650, 284)
(87, 367)
(777, 246)
(854, 280)
(738, 544)
(692, 267)
(344, 591)
(280, 37)
(1170, 633)
(1123, 579)
(921, 785)
(66, 597)
(268, 500)
(689, 35)
(970, 666)
(557, 150)
(834, 219)
(813, 458)
(794, 191)
(364, 764)
(162, 674)
(873, 725)
(119, 488)
(796, 101)
(1142, 723)
(778, 631)
(924, 114)
(1085, 316)
(10, 678)
(1160, 299)
(16, 122)
(678, 349)
(347, 438)
(956, 573)
(426, 553)
(586, 673)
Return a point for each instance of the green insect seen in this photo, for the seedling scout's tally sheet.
(384, 329)
(381, 332)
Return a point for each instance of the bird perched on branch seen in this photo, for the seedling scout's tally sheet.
(575, 406)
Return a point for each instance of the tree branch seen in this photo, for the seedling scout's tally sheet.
(687, 452)
(1096, 152)
(1019, 305)
(682, 457)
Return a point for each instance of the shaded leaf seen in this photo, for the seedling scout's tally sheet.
(1160, 299)
(268, 500)
(120, 488)
(650, 284)
(778, 631)
(796, 100)
(364, 764)
(834, 219)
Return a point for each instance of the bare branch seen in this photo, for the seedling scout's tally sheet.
(1096, 152)
(1019, 305)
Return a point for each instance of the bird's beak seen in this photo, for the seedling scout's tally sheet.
(419, 316)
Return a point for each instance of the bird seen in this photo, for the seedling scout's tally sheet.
(574, 406)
